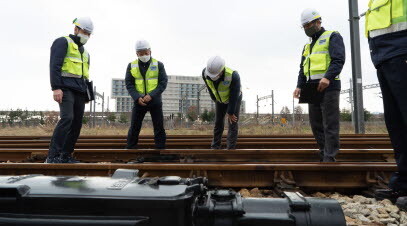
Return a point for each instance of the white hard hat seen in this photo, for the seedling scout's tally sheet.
(309, 15)
(142, 45)
(84, 23)
(214, 66)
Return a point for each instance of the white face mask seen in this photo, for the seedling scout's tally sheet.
(144, 58)
(83, 38)
(215, 78)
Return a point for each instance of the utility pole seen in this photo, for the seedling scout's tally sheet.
(257, 115)
(272, 106)
(108, 109)
(351, 102)
(263, 98)
(182, 110)
(198, 98)
(183, 100)
(103, 108)
(90, 114)
(293, 111)
(202, 87)
(356, 67)
(94, 108)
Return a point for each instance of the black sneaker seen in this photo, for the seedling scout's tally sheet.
(69, 159)
(328, 159)
(389, 194)
(402, 203)
(53, 160)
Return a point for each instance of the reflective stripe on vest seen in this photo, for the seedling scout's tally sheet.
(75, 64)
(145, 85)
(222, 92)
(317, 60)
(385, 16)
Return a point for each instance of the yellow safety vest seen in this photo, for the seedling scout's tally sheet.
(75, 64)
(222, 92)
(145, 85)
(385, 16)
(317, 60)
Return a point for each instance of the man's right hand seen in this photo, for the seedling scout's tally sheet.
(297, 93)
(141, 102)
(58, 94)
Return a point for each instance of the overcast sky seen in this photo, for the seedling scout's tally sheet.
(262, 40)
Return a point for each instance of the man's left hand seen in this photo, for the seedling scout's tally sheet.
(232, 118)
(147, 98)
(323, 84)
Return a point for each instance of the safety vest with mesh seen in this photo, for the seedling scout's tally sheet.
(385, 16)
(222, 92)
(317, 59)
(148, 83)
(75, 64)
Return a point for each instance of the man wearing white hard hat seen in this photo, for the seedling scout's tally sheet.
(322, 61)
(224, 88)
(146, 80)
(69, 71)
(386, 30)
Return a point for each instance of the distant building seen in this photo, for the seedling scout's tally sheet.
(181, 93)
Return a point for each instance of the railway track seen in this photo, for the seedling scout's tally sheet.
(283, 161)
(194, 148)
(203, 142)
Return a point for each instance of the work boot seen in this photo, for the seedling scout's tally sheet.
(138, 160)
(321, 155)
(389, 194)
(328, 159)
(51, 159)
(68, 159)
(402, 203)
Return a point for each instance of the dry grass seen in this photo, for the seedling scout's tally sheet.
(346, 128)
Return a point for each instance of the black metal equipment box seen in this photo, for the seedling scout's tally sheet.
(126, 199)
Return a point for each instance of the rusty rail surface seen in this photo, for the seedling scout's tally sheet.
(175, 140)
(193, 136)
(203, 144)
(202, 155)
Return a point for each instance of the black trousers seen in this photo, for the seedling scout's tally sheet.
(67, 131)
(231, 139)
(324, 120)
(392, 76)
(138, 113)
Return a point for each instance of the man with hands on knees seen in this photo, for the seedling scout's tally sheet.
(224, 88)
(146, 80)
(321, 62)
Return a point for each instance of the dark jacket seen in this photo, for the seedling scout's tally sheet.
(337, 53)
(58, 53)
(385, 47)
(235, 91)
(155, 94)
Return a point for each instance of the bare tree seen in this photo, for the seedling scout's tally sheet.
(298, 112)
(285, 112)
